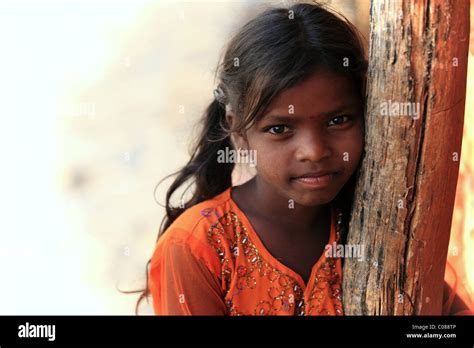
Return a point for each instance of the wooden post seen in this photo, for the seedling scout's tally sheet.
(406, 188)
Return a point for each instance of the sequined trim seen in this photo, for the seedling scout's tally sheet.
(286, 294)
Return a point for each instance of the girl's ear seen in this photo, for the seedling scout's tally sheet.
(230, 117)
(239, 139)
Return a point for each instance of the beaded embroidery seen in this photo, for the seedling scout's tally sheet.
(286, 294)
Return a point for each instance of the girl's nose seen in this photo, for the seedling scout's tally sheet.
(312, 147)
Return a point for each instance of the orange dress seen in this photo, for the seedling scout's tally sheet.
(210, 261)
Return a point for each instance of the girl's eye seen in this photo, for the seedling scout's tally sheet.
(277, 130)
(338, 120)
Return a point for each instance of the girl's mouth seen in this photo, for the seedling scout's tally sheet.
(315, 180)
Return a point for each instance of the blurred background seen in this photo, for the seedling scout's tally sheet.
(100, 100)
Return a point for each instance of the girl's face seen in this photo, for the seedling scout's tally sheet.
(313, 128)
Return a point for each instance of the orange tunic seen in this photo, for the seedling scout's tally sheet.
(210, 261)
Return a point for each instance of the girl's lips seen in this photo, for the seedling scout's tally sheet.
(315, 181)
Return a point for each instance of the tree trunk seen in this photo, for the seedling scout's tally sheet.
(405, 192)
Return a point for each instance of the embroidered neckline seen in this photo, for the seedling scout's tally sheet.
(287, 291)
(272, 259)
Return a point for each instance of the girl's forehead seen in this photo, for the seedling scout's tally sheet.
(322, 92)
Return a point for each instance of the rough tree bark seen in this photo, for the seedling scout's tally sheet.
(405, 193)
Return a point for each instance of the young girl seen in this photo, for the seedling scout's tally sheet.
(291, 91)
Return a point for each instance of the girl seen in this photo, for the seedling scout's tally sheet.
(291, 90)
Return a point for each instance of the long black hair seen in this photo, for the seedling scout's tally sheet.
(278, 49)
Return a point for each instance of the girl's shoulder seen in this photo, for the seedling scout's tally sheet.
(197, 218)
(192, 227)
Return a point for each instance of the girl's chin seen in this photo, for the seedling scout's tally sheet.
(314, 203)
(311, 199)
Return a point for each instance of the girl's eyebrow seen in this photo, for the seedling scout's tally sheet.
(295, 117)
